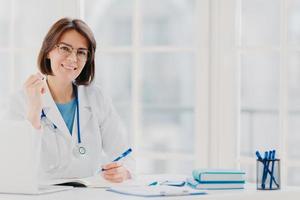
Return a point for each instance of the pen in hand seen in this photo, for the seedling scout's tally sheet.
(123, 155)
(128, 151)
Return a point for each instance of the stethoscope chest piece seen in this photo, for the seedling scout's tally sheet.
(79, 151)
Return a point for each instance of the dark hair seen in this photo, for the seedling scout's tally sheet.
(56, 31)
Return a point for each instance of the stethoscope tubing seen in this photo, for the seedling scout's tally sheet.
(43, 115)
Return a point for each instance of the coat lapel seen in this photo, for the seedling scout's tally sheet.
(53, 114)
(85, 111)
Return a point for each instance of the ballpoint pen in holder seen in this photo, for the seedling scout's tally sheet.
(267, 171)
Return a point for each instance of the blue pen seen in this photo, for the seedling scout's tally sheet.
(269, 161)
(272, 170)
(259, 158)
(265, 171)
(128, 151)
(123, 155)
(153, 183)
(168, 183)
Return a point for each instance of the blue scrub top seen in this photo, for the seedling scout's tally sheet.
(67, 110)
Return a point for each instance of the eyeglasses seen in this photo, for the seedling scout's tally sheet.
(66, 50)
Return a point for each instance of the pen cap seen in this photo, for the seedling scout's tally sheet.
(268, 174)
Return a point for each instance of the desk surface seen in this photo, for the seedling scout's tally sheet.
(95, 194)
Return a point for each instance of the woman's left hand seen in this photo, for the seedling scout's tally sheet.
(115, 172)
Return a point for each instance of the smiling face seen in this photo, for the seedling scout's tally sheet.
(67, 67)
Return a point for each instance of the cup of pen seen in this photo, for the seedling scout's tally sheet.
(268, 174)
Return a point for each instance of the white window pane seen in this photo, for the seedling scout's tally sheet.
(293, 22)
(264, 131)
(5, 10)
(168, 130)
(294, 81)
(27, 29)
(259, 100)
(294, 106)
(260, 22)
(293, 176)
(5, 75)
(111, 21)
(51, 11)
(30, 31)
(166, 166)
(293, 137)
(260, 81)
(246, 145)
(113, 74)
(168, 99)
(168, 22)
(168, 79)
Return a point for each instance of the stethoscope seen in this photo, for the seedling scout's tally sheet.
(79, 149)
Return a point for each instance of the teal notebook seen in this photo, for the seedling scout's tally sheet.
(213, 186)
(219, 176)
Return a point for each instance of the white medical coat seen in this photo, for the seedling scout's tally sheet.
(102, 134)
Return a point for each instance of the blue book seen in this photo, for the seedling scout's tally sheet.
(213, 186)
(219, 176)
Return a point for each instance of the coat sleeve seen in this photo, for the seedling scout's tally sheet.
(115, 139)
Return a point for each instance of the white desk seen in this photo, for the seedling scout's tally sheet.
(290, 193)
(96, 194)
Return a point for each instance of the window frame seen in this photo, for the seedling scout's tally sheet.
(284, 51)
(201, 109)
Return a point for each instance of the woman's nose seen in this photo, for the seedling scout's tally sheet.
(73, 56)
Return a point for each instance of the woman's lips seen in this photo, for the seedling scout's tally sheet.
(70, 67)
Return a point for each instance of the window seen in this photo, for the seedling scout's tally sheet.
(268, 52)
(23, 24)
(147, 62)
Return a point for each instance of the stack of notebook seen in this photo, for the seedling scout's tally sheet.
(217, 179)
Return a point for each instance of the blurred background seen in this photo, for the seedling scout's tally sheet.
(198, 83)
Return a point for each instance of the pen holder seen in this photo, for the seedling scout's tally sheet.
(268, 174)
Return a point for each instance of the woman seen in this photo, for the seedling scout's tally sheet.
(80, 130)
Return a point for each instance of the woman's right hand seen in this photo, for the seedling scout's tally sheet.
(35, 87)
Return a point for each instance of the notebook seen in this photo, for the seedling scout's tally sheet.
(155, 191)
(96, 181)
(19, 167)
(213, 186)
(219, 176)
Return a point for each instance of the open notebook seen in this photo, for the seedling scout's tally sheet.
(93, 182)
(156, 191)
